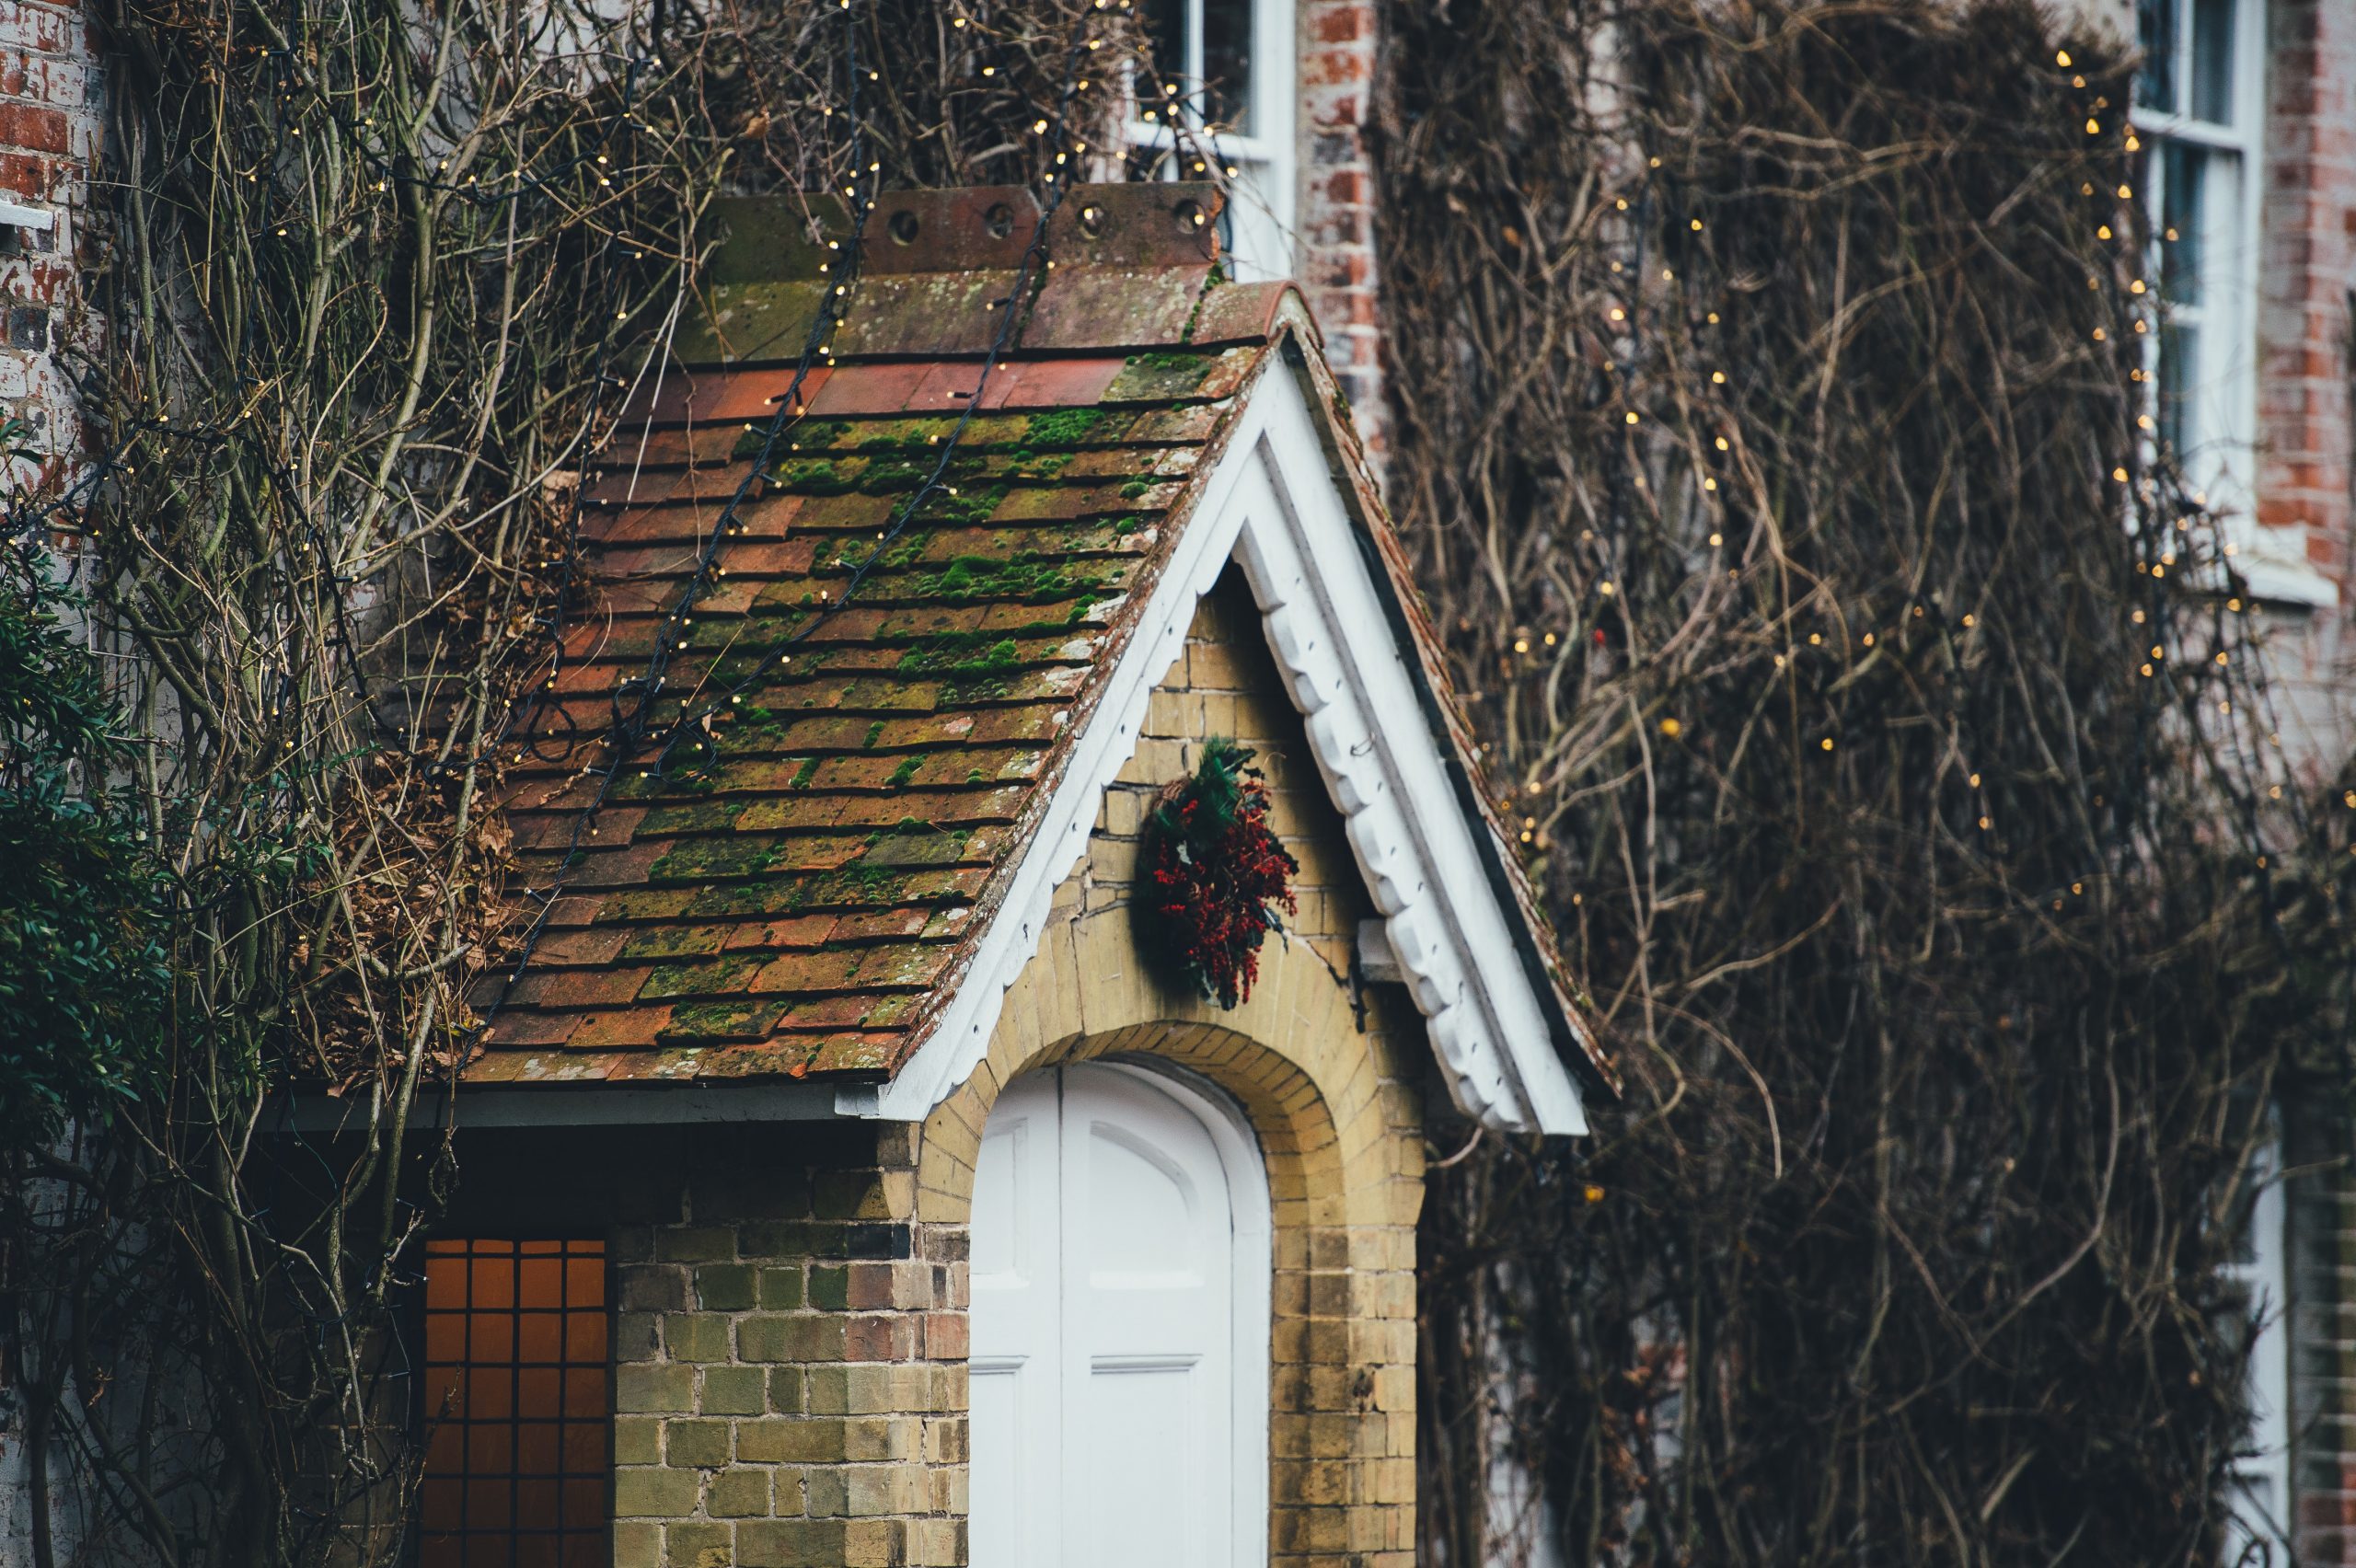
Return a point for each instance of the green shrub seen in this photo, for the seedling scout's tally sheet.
(82, 972)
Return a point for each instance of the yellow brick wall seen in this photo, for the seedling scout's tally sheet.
(793, 1383)
(1329, 1075)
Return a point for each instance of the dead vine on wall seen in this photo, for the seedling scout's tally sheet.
(1885, 731)
(377, 282)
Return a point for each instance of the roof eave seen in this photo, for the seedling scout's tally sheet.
(1573, 1039)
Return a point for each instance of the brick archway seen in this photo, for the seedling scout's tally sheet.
(1342, 1138)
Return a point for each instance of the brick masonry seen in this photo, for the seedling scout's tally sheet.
(2307, 465)
(2306, 460)
(2308, 267)
(2320, 1265)
(791, 1337)
(50, 133)
(1335, 210)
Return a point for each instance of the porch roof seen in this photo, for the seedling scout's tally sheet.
(794, 892)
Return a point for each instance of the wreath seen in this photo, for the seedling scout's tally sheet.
(1214, 874)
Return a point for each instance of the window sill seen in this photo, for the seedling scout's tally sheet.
(2277, 578)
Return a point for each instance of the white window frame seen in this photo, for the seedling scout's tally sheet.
(2260, 1529)
(1262, 191)
(2222, 466)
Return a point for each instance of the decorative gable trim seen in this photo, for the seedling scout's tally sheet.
(1462, 946)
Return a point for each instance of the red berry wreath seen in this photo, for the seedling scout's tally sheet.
(1214, 874)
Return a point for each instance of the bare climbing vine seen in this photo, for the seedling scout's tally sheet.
(377, 282)
(1888, 728)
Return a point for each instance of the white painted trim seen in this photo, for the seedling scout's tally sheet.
(2222, 465)
(16, 214)
(1333, 638)
(2275, 574)
(1376, 961)
(1272, 504)
(1252, 1278)
(2260, 1493)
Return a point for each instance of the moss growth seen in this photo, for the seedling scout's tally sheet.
(989, 688)
(1024, 577)
(1038, 466)
(1195, 317)
(893, 478)
(1063, 427)
(1128, 524)
(722, 1020)
(901, 774)
(960, 653)
(875, 733)
(971, 506)
(821, 477)
(802, 775)
(861, 883)
(1136, 488)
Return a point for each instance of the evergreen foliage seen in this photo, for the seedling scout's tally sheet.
(82, 970)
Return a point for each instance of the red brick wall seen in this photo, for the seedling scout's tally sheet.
(2309, 266)
(1335, 216)
(48, 136)
(2320, 1315)
(2306, 448)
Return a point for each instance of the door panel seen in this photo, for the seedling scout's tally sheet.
(1144, 1228)
(1105, 1408)
(1015, 1369)
(1142, 1467)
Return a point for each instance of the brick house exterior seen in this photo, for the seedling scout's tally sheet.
(791, 1298)
(50, 132)
(753, 1061)
(791, 1340)
(2307, 465)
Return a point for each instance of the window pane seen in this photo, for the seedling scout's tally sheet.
(2179, 374)
(1227, 64)
(2212, 61)
(1165, 35)
(2155, 31)
(2183, 185)
(521, 1328)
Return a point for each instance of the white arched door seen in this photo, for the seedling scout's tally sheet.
(1120, 1327)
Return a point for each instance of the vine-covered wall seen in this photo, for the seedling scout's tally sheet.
(368, 287)
(1889, 730)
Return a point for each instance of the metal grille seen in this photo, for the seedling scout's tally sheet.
(517, 1406)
